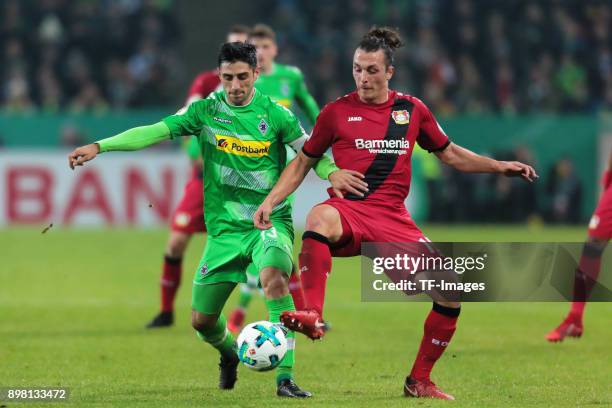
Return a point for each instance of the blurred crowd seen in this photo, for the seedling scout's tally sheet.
(86, 55)
(454, 196)
(462, 55)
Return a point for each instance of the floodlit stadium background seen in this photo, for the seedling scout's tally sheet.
(81, 252)
(522, 80)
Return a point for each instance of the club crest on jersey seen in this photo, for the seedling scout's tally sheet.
(204, 269)
(263, 127)
(285, 88)
(401, 117)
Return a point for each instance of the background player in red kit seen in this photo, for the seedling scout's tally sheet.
(599, 233)
(188, 217)
(373, 131)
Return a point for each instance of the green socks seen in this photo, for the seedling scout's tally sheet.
(246, 294)
(275, 308)
(219, 337)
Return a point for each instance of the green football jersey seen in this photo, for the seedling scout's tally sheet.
(244, 153)
(285, 85)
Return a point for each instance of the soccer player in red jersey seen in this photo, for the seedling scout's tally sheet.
(599, 233)
(188, 217)
(372, 132)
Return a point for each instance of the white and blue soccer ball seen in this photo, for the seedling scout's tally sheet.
(262, 345)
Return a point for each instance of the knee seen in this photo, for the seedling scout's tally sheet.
(274, 283)
(202, 322)
(324, 220)
(177, 244)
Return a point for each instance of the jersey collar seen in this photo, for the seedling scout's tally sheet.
(255, 95)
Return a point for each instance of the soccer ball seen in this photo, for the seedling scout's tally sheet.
(262, 345)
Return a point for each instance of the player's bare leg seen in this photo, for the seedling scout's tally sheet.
(585, 278)
(274, 283)
(323, 227)
(171, 278)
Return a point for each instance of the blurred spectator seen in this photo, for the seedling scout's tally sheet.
(71, 136)
(85, 55)
(462, 55)
(565, 190)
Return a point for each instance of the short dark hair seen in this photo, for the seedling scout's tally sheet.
(263, 31)
(382, 38)
(240, 29)
(238, 51)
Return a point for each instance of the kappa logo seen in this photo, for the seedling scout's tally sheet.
(355, 119)
(401, 117)
(248, 148)
(222, 120)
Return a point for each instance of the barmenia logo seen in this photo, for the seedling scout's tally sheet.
(383, 146)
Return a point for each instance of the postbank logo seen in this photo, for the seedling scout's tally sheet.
(248, 148)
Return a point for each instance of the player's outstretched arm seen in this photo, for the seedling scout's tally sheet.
(467, 161)
(132, 139)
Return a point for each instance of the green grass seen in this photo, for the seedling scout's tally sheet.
(73, 304)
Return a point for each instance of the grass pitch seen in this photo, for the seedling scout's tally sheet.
(73, 304)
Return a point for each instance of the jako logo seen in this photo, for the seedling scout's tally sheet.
(355, 118)
(248, 148)
(383, 146)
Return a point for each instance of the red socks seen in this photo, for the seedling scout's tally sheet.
(439, 329)
(170, 282)
(295, 288)
(585, 279)
(315, 265)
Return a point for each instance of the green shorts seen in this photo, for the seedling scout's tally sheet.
(227, 257)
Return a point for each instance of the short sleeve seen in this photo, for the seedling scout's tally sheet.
(431, 137)
(290, 127)
(187, 121)
(322, 134)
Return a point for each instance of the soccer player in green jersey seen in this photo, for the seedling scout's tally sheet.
(242, 135)
(285, 85)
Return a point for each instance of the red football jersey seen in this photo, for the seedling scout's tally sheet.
(376, 140)
(204, 84)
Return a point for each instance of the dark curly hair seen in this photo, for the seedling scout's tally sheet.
(238, 51)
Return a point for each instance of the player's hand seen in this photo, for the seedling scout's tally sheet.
(348, 181)
(261, 219)
(518, 169)
(83, 154)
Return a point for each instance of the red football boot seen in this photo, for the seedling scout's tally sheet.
(569, 327)
(234, 324)
(308, 322)
(424, 389)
